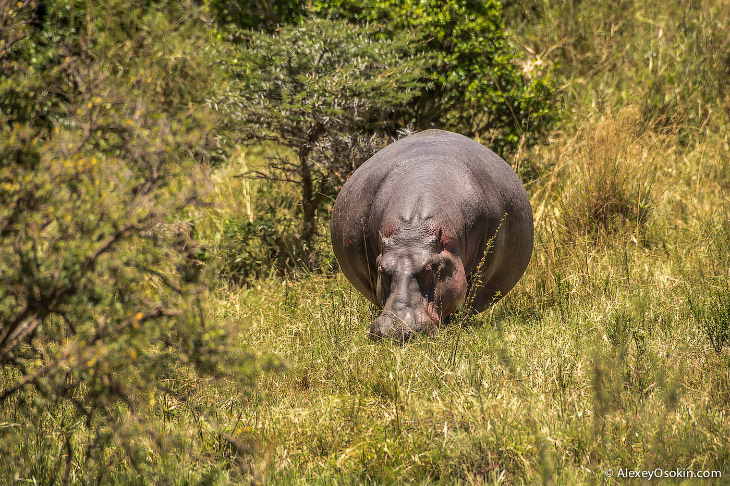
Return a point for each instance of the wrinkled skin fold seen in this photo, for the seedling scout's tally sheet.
(427, 222)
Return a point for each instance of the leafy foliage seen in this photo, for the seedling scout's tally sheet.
(103, 134)
(713, 314)
(319, 89)
(475, 87)
(256, 13)
(264, 242)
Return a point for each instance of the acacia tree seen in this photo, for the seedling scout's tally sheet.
(325, 90)
(334, 91)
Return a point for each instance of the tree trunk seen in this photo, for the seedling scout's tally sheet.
(309, 209)
(310, 201)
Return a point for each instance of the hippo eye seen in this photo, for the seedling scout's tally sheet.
(426, 274)
(385, 275)
(383, 285)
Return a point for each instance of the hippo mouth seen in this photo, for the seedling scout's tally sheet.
(392, 324)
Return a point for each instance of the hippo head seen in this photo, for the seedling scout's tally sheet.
(420, 281)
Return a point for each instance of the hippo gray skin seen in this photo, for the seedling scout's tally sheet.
(411, 226)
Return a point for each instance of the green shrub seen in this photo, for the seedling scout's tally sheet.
(712, 313)
(255, 13)
(269, 244)
(103, 129)
(714, 317)
(254, 231)
(317, 89)
(475, 87)
(255, 249)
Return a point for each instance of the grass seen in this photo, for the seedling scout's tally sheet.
(613, 351)
(571, 374)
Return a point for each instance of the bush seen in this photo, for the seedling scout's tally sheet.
(256, 249)
(317, 89)
(712, 313)
(255, 13)
(103, 131)
(475, 86)
(709, 302)
(265, 239)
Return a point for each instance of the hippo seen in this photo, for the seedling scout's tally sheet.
(429, 224)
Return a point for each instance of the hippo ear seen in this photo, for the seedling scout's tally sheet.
(439, 241)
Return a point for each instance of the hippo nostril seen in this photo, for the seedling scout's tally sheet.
(404, 335)
(399, 334)
(382, 327)
(375, 334)
(389, 325)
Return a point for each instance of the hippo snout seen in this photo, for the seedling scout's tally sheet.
(384, 327)
(400, 326)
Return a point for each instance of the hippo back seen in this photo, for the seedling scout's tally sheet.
(451, 182)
